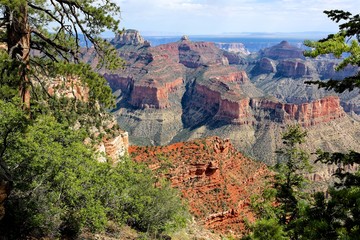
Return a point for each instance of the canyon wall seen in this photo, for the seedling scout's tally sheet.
(185, 90)
(213, 176)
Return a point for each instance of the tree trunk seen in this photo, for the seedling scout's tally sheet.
(18, 31)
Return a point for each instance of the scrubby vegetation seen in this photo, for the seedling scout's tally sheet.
(60, 188)
(57, 186)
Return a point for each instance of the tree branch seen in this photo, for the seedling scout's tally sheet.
(48, 12)
(52, 43)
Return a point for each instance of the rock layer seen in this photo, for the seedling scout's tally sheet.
(186, 90)
(217, 180)
(307, 114)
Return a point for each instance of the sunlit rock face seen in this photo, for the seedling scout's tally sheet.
(186, 90)
(216, 180)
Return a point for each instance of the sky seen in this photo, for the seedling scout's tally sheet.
(218, 17)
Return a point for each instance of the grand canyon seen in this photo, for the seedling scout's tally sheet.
(188, 90)
(222, 134)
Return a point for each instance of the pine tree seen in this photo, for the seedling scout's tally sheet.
(338, 216)
(41, 35)
(338, 44)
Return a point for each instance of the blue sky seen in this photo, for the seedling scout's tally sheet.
(202, 17)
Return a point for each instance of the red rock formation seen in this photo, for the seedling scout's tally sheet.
(153, 94)
(216, 180)
(307, 114)
(222, 103)
(194, 54)
(235, 111)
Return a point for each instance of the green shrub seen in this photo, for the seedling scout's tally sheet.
(60, 188)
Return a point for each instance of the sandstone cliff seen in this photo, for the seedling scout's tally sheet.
(187, 90)
(217, 180)
(306, 114)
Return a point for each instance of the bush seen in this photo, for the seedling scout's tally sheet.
(60, 188)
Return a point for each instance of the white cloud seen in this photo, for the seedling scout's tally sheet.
(217, 16)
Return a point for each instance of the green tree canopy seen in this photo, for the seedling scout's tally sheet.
(43, 34)
(344, 44)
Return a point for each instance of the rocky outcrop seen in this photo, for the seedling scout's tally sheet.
(307, 114)
(216, 180)
(152, 94)
(194, 55)
(293, 69)
(68, 87)
(233, 48)
(235, 58)
(282, 51)
(114, 146)
(264, 66)
(129, 37)
(220, 102)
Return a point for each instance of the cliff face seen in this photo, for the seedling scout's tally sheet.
(264, 66)
(186, 90)
(288, 61)
(293, 68)
(129, 37)
(217, 180)
(307, 114)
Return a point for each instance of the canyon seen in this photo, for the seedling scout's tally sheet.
(186, 90)
(214, 178)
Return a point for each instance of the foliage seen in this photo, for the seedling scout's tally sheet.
(289, 179)
(338, 45)
(267, 229)
(324, 217)
(338, 216)
(52, 31)
(60, 188)
(12, 122)
(281, 205)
